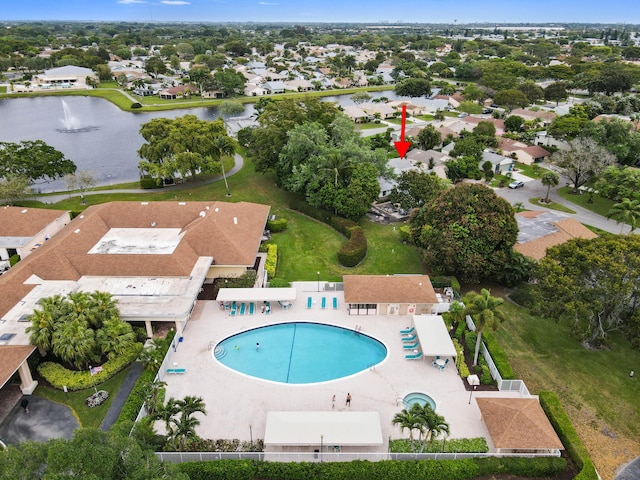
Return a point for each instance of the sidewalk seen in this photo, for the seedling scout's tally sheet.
(121, 397)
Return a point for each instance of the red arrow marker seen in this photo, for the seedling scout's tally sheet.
(403, 146)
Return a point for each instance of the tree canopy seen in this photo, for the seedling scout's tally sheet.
(184, 146)
(594, 285)
(413, 87)
(584, 160)
(467, 231)
(414, 189)
(34, 160)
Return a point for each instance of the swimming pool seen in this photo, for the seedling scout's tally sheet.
(420, 398)
(300, 352)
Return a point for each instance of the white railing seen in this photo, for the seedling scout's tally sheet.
(332, 456)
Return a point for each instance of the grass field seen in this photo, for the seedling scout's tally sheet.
(595, 203)
(88, 417)
(552, 205)
(593, 385)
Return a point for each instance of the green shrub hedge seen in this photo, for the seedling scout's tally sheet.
(499, 357)
(446, 281)
(13, 259)
(573, 445)
(405, 233)
(277, 225)
(279, 283)
(523, 297)
(136, 105)
(461, 365)
(467, 468)
(352, 252)
(457, 445)
(59, 376)
(271, 262)
(148, 182)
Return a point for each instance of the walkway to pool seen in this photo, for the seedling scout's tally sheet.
(237, 405)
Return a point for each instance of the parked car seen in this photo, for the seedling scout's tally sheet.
(516, 184)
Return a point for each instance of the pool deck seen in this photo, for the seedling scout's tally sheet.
(237, 404)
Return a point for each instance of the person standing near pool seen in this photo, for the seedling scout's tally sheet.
(257, 346)
(348, 404)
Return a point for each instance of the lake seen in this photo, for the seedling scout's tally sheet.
(95, 134)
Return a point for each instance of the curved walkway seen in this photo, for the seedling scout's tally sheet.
(239, 163)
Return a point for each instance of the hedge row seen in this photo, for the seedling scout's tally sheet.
(446, 281)
(352, 252)
(59, 376)
(467, 468)
(573, 445)
(461, 365)
(136, 398)
(148, 182)
(277, 225)
(271, 262)
(497, 354)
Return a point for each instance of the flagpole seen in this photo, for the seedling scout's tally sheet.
(92, 380)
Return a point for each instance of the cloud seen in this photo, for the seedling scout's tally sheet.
(267, 3)
(175, 2)
(126, 2)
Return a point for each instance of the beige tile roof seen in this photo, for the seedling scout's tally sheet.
(388, 289)
(228, 232)
(567, 229)
(518, 423)
(26, 222)
(11, 357)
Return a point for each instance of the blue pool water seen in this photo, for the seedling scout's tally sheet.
(419, 398)
(301, 352)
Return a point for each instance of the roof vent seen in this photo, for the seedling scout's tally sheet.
(235, 220)
(77, 230)
(24, 211)
(81, 216)
(144, 203)
(207, 207)
(216, 209)
(182, 203)
(202, 213)
(153, 224)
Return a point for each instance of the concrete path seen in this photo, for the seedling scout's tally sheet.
(239, 163)
(45, 420)
(631, 471)
(121, 397)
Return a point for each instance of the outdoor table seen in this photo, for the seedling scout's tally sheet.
(440, 362)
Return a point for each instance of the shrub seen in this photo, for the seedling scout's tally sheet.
(148, 182)
(279, 283)
(446, 281)
(354, 251)
(136, 105)
(97, 399)
(59, 376)
(405, 233)
(460, 363)
(15, 258)
(573, 445)
(498, 356)
(272, 259)
(523, 297)
(277, 225)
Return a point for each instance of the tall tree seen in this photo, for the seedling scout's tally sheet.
(483, 309)
(626, 212)
(180, 147)
(413, 87)
(584, 160)
(428, 138)
(467, 230)
(34, 160)
(594, 285)
(415, 188)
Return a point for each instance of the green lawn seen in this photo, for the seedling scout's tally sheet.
(397, 121)
(532, 171)
(369, 125)
(88, 417)
(553, 205)
(595, 203)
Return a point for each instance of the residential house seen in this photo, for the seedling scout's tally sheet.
(274, 87)
(298, 85)
(356, 114)
(382, 110)
(251, 90)
(499, 163)
(68, 76)
(539, 230)
(545, 117)
(178, 91)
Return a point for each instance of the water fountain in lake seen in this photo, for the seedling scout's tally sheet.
(71, 123)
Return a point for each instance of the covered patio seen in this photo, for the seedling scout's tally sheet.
(433, 336)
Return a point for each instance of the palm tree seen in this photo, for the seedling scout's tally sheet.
(166, 413)
(104, 308)
(154, 396)
(190, 405)
(549, 179)
(519, 206)
(43, 323)
(434, 424)
(483, 308)
(627, 211)
(74, 342)
(223, 146)
(407, 419)
(183, 429)
(115, 337)
(338, 165)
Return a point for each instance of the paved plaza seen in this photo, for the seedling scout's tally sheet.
(237, 405)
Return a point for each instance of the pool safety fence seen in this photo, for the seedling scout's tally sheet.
(330, 454)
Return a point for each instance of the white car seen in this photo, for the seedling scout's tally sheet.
(516, 184)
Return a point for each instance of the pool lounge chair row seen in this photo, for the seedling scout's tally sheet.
(243, 309)
(415, 356)
(176, 371)
(323, 303)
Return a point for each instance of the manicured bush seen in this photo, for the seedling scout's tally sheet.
(277, 225)
(523, 297)
(15, 258)
(271, 262)
(354, 251)
(460, 363)
(220, 470)
(446, 281)
(498, 356)
(136, 105)
(538, 467)
(147, 182)
(574, 447)
(279, 283)
(405, 233)
(457, 445)
(59, 376)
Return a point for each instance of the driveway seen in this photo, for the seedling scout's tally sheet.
(45, 420)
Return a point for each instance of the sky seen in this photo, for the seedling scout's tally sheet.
(360, 11)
